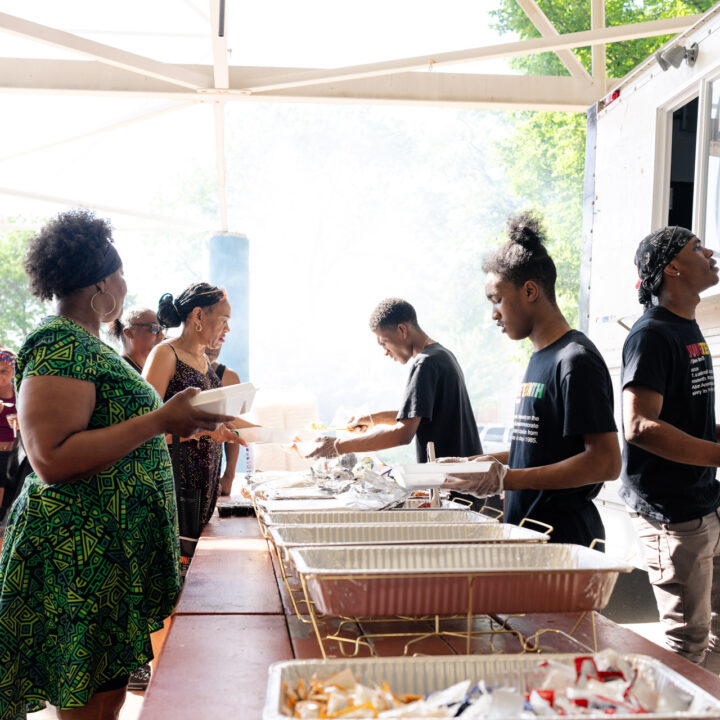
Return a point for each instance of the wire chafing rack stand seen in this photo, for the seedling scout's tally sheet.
(351, 633)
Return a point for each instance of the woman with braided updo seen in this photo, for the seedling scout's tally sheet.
(203, 311)
(89, 566)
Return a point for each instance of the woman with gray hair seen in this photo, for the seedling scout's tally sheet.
(139, 332)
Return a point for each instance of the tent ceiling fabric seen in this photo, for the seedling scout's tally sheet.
(52, 57)
(136, 73)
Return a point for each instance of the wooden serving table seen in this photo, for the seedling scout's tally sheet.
(235, 618)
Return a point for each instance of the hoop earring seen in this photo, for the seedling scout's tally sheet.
(198, 327)
(96, 311)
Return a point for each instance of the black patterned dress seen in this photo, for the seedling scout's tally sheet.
(200, 459)
(89, 568)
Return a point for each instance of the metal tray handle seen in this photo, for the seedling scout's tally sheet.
(547, 529)
(490, 511)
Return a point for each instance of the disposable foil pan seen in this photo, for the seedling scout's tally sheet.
(333, 516)
(423, 675)
(300, 504)
(388, 580)
(287, 536)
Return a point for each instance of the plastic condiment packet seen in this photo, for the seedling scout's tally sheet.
(672, 699)
(417, 709)
(307, 710)
(505, 703)
(541, 703)
(453, 695)
(558, 678)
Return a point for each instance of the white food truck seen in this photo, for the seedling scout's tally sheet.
(652, 159)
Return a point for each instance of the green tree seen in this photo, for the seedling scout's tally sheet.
(19, 310)
(545, 155)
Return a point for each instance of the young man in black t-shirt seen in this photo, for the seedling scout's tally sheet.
(564, 443)
(671, 449)
(436, 406)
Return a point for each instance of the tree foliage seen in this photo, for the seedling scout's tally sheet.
(19, 310)
(545, 155)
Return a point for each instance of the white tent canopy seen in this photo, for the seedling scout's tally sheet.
(178, 54)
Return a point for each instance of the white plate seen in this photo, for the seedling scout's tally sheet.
(266, 435)
(431, 475)
(231, 400)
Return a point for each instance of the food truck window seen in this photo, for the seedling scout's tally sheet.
(682, 164)
(712, 205)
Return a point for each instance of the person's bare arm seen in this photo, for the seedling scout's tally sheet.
(55, 411)
(158, 371)
(230, 377)
(232, 450)
(160, 367)
(401, 432)
(232, 453)
(502, 457)
(598, 462)
(367, 422)
(643, 428)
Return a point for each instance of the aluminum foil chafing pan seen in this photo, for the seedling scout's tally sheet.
(388, 580)
(423, 675)
(288, 536)
(335, 517)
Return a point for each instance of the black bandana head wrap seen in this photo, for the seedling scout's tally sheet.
(91, 273)
(653, 255)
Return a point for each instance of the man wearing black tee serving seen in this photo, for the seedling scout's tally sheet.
(436, 406)
(564, 443)
(671, 445)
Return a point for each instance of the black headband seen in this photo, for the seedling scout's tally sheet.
(90, 274)
(654, 254)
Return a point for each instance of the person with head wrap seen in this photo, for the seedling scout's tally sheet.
(671, 448)
(89, 565)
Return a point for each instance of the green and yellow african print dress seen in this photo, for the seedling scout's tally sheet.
(88, 568)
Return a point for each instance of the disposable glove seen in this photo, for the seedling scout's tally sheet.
(489, 481)
(327, 448)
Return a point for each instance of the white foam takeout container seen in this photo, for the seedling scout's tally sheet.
(432, 474)
(231, 400)
(266, 435)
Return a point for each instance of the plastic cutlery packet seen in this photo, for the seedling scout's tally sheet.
(606, 684)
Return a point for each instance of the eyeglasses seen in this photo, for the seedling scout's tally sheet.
(155, 329)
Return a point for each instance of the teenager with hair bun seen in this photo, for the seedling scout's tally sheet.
(564, 443)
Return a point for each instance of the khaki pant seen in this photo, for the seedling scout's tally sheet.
(684, 568)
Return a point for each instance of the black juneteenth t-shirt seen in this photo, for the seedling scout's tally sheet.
(436, 392)
(668, 354)
(566, 393)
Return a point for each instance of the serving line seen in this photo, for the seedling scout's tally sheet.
(215, 664)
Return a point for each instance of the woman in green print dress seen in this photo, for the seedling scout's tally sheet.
(89, 564)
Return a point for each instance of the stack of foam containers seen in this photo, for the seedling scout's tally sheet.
(292, 409)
